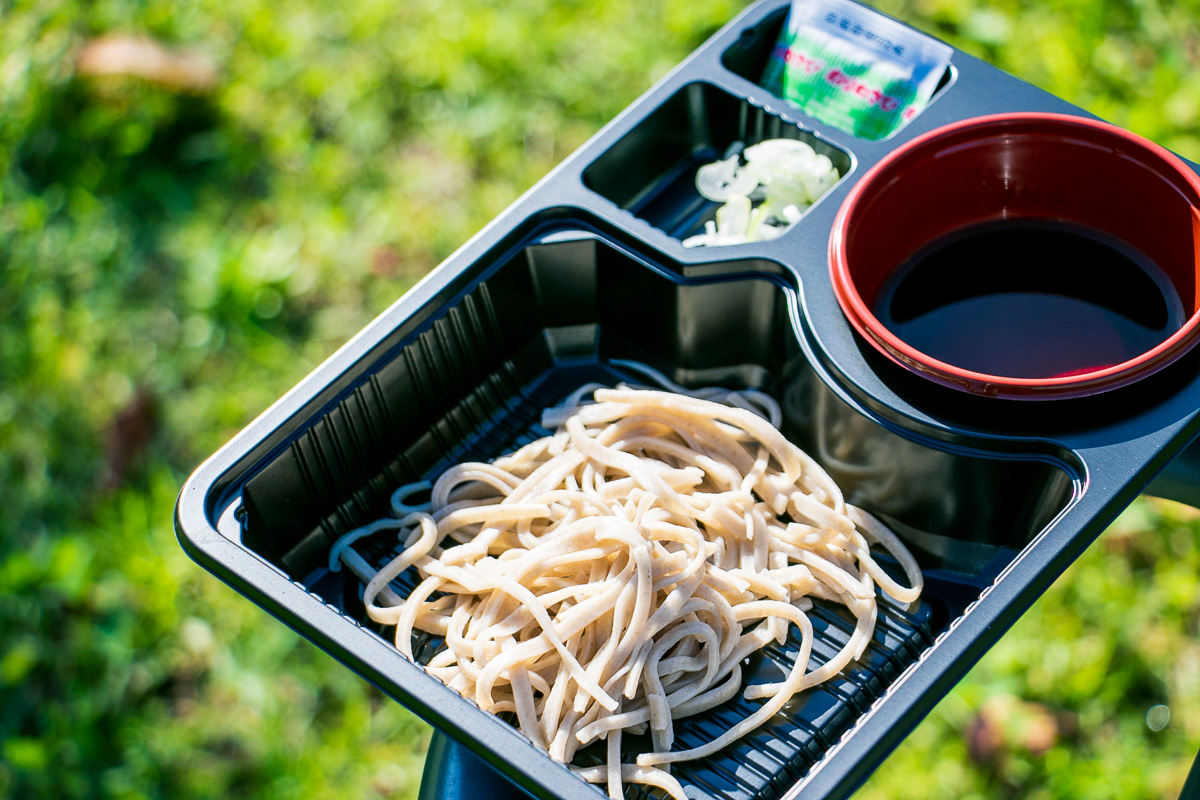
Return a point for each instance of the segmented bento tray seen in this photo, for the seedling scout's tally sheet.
(994, 497)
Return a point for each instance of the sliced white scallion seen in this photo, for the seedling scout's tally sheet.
(721, 180)
(765, 189)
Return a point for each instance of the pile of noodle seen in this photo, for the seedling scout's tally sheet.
(613, 577)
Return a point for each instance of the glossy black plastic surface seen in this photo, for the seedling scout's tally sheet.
(1191, 789)
(453, 772)
(587, 270)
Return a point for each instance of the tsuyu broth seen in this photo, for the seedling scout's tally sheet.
(1030, 299)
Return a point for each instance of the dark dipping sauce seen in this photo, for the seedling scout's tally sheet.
(1030, 299)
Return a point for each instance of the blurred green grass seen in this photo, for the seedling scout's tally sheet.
(175, 260)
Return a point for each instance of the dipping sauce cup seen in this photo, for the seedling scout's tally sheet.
(1023, 256)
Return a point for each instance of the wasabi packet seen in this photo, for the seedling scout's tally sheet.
(853, 68)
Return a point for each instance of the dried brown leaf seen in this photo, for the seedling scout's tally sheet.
(985, 738)
(142, 57)
(129, 436)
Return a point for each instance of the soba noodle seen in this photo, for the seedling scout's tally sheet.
(613, 576)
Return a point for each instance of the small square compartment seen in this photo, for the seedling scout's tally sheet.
(651, 171)
(747, 58)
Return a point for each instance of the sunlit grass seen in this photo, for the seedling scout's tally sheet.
(173, 261)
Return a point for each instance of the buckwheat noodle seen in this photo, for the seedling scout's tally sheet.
(613, 576)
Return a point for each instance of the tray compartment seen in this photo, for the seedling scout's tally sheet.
(563, 309)
(651, 171)
(748, 56)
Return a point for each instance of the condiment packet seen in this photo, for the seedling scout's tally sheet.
(853, 68)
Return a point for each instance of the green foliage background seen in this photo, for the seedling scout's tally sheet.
(173, 262)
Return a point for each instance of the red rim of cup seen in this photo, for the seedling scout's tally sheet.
(1059, 387)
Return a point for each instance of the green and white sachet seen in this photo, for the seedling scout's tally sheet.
(853, 68)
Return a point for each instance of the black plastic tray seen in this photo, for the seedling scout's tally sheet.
(995, 497)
